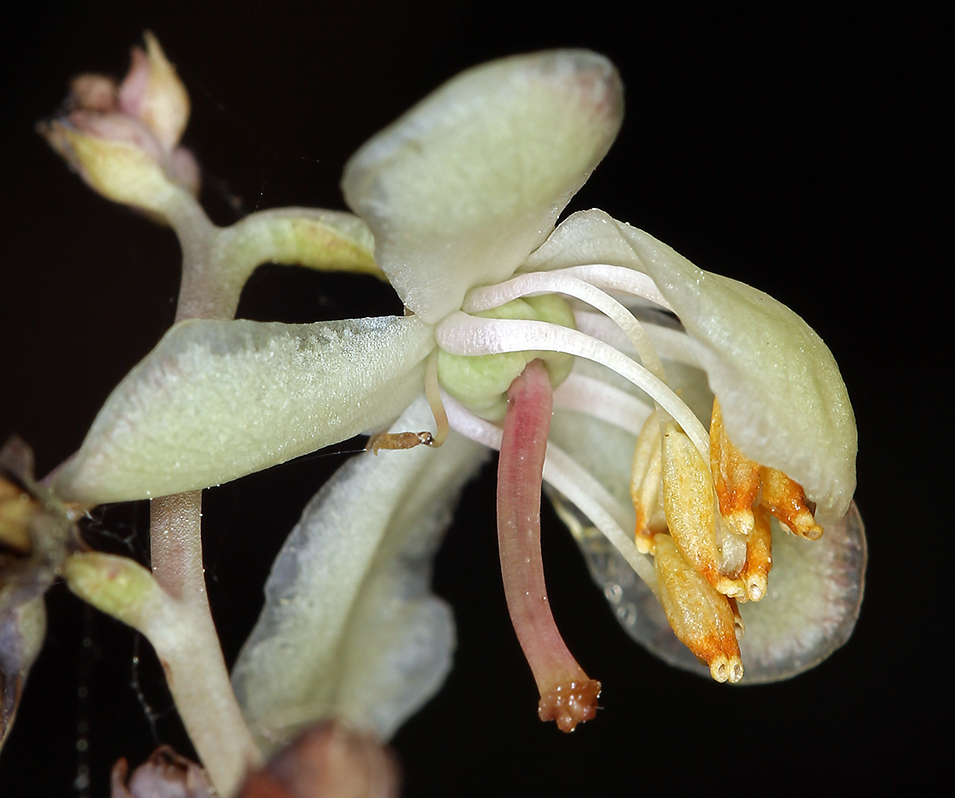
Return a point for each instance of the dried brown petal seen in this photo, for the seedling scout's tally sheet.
(36, 535)
(37, 532)
(22, 630)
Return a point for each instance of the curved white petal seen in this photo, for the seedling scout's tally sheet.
(349, 628)
(783, 399)
(461, 188)
(216, 400)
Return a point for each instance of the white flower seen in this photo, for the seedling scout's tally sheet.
(462, 195)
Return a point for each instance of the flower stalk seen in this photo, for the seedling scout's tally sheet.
(180, 632)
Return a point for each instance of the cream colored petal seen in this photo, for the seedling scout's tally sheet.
(784, 402)
(220, 399)
(350, 629)
(461, 188)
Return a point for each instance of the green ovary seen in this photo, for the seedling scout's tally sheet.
(480, 382)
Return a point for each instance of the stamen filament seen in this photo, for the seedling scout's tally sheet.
(618, 278)
(461, 334)
(568, 695)
(408, 440)
(493, 296)
(603, 401)
(669, 343)
(433, 391)
(577, 485)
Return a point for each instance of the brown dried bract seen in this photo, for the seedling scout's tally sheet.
(569, 704)
(37, 532)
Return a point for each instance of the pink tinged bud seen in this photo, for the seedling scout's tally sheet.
(153, 94)
(122, 169)
(123, 141)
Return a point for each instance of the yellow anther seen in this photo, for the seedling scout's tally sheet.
(759, 559)
(713, 545)
(735, 477)
(738, 626)
(690, 507)
(701, 617)
(786, 499)
(646, 482)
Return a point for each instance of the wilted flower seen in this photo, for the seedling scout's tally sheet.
(505, 315)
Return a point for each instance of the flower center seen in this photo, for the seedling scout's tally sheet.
(481, 382)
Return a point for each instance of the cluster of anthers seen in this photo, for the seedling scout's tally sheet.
(707, 526)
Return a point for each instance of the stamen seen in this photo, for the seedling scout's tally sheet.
(619, 278)
(735, 477)
(568, 695)
(492, 296)
(672, 344)
(408, 440)
(700, 617)
(461, 334)
(646, 482)
(786, 499)
(603, 401)
(759, 557)
(398, 440)
(433, 391)
(691, 510)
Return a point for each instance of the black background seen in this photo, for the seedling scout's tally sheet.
(796, 152)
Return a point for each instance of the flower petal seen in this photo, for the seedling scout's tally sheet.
(220, 399)
(783, 399)
(461, 188)
(349, 629)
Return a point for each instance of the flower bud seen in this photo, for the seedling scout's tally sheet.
(123, 141)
